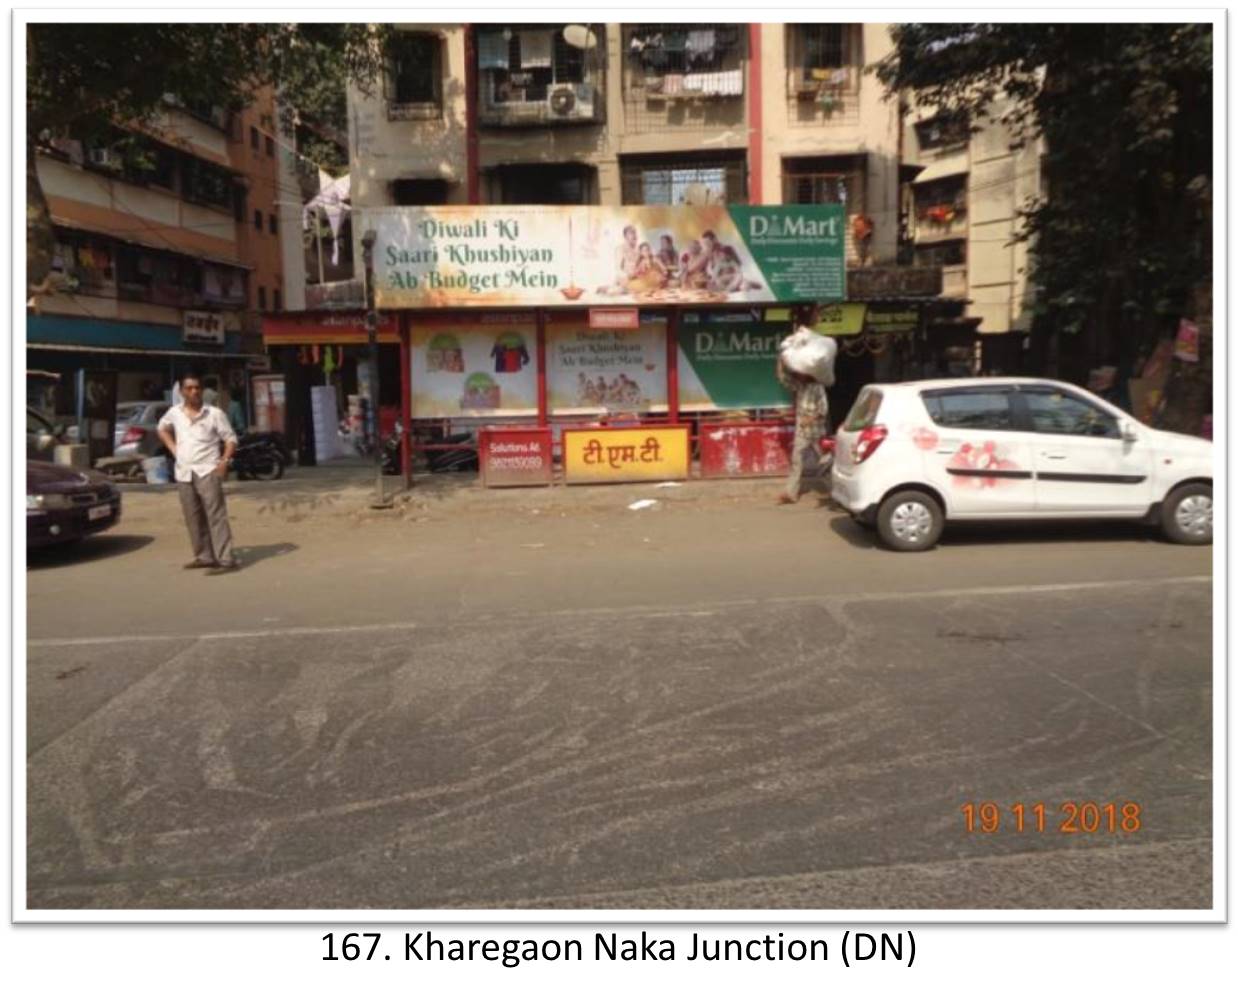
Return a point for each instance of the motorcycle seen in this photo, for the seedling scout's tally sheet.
(260, 456)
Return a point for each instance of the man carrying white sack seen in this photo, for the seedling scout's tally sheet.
(805, 367)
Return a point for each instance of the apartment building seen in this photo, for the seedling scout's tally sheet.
(167, 251)
(971, 178)
(634, 114)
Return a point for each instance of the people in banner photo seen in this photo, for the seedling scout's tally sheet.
(707, 265)
(621, 391)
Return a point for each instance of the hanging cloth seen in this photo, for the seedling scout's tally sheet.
(535, 49)
(701, 45)
(492, 50)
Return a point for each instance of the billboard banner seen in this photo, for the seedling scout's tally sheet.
(474, 369)
(591, 370)
(729, 364)
(466, 256)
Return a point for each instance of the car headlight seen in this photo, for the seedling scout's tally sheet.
(47, 501)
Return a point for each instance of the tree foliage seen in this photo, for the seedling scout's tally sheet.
(1125, 112)
(86, 79)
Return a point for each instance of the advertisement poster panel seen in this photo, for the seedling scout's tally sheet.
(728, 362)
(474, 369)
(593, 456)
(592, 370)
(467, 256)
(515, 457)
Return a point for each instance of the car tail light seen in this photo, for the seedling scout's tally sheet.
(867, 443)
(133, 434)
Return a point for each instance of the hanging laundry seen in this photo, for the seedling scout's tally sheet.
(535, 49)
(328, 361)
(724, 84)
(492, 50)
(672, 83)
(675, 41)
(701, 45)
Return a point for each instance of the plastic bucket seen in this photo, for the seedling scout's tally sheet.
(156, 470)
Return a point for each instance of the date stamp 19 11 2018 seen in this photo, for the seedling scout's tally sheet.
(1066, 817)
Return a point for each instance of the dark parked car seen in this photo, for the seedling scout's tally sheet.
(41, 436)
(64, 504)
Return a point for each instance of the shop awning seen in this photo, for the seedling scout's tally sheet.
(60, 347)
(339, 328)
(942, 168)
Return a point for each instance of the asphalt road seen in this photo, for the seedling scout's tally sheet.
(545, 700)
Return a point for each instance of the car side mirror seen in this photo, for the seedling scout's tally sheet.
(46, 441)
(1129, 435)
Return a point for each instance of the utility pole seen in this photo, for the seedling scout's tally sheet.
(371, 330)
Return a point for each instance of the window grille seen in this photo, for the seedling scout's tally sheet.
(683, 76)
(529, 74)
(828, 180)
(824, 66)
(414, 76)
(716, 179)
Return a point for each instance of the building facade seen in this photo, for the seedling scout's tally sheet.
(167, 253)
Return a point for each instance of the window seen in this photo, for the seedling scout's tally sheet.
(272, 224)
(257, 219)
(549, 183)
(864, 412)
(270, 145)
(206, 183)
(989, 410)
(415, 69)
(942, 131)
(940, 203)
(253, 138)
(262, 299)
(414, 193)
(238, 203)
(529, 74)
(825, 180)
(1063, 414)
(825, 54)
(277, 300)
(697, 180)
(952, 253)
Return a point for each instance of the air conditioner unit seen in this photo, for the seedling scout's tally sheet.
(103, 157)
(570, 102)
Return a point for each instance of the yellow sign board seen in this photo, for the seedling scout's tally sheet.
(604, 456)
(841, 319)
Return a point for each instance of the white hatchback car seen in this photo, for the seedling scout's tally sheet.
(911, 456)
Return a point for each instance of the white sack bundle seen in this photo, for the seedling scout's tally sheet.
(811, 354)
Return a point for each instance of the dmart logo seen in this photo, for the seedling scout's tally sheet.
(732, 343)
(792, 227)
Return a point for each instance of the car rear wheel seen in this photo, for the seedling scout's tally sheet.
(1186, 515)
(909, 521)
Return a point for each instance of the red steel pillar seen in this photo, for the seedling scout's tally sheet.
(756, 124)
(542, 412)
(406, 401)
(672, 367)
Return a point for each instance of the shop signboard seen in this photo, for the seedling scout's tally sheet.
(891, 318)
(474, 369)
(592, 370)
(515, 457)
(751, 450)
(203, 328)
(614, 318)
(606, 455)
(729, 364)
(479, 257)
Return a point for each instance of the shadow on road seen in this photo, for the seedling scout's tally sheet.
(963, 534)
(249, 555)
(84, 551)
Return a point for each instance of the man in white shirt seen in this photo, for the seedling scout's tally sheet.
(194, 433)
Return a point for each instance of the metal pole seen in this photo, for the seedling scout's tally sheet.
(371, 329)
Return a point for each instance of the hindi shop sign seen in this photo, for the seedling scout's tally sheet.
(607, 456)
(637, 256)
(203, 328)
(515, 457)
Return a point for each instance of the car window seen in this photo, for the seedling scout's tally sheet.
(864, 412)
(1064, 414)
(129, 413)
(970, 409)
